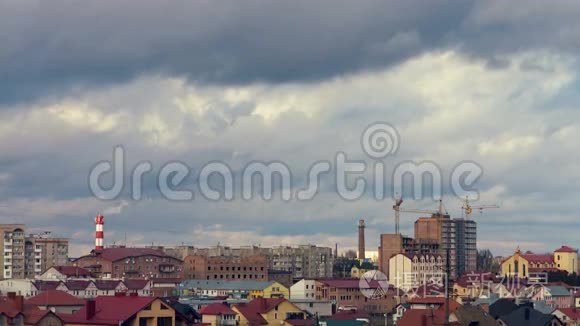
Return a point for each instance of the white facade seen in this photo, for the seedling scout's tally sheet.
(303, 290)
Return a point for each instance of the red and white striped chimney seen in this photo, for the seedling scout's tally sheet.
(99, 235)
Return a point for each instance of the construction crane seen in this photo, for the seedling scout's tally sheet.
(468, 209)
(397, 208)
(41, 235)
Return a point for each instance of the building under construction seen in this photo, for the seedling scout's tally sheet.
(434, 235)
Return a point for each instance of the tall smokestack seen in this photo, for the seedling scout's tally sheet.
(361, 239)
(99, 235)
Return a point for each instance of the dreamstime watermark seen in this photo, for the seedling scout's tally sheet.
(378, 141)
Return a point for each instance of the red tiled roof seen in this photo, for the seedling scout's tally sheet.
(72, 271)
(115, 254)
(110, 310)
(425, 317)
(427, 300)
(136, 284)
(572, 313)
(566, 249)
(107, 284)
(46, 285)
(539, 258)
(9, 306)
(252, 310)
(77, 284)
(217, 309)
(54, 298)
(34, 315)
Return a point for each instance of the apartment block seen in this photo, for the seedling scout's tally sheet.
(12, 247)
(305, 261)
(226, 267)
(43, 253)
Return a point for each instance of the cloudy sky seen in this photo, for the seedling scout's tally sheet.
(296, 82)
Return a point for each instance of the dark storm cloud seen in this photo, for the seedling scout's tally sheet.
(66, 45)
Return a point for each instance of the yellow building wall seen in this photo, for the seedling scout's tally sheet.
(242, 321)
(276, 290)
(508, 267)
(566, 261)
(209, 319)
(155, 312)
(277, 316)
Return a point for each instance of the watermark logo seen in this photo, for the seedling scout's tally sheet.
(216, 180)
(373, 284)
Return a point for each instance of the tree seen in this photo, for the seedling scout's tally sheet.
(485, 262)
(350, 254)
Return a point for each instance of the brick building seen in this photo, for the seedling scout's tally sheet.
(119, 262)
(348, 295)
(201, 267)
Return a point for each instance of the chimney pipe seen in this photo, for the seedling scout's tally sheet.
(91, 308)
(99, 234)
(361, 239)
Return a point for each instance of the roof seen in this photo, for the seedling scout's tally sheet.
(118, 253)
(217, 309)
(566, 249)
(136, 284)
(226, 285)
(572, 313)
(46, 285)
(73, 271)
(54, 298)
(110, 310)
(468, 314)
(539, 258)
(12, 307)
(527, 316)
(425, 317)
(502, 307)
(252, 310)
(557, 291)
(77, 284)
(107, 284)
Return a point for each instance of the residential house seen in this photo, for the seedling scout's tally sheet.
(234, 289)
(123, 310)
(13, 312)
(269, 311)
(525, 315)
(556, 296)
(348, 295)
(322, 308)
(303, 290)
(65, 272)
(218, 314)
(569, 316)
(56, 301)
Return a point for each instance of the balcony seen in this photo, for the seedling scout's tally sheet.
(166, 268)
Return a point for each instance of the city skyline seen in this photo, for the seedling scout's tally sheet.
(194, 89)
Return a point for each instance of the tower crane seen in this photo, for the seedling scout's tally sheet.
(397, 208)
(468, 209)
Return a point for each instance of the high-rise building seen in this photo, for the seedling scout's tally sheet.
(13, 249)
(459, 236)
(28, 256)
(304, 261)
